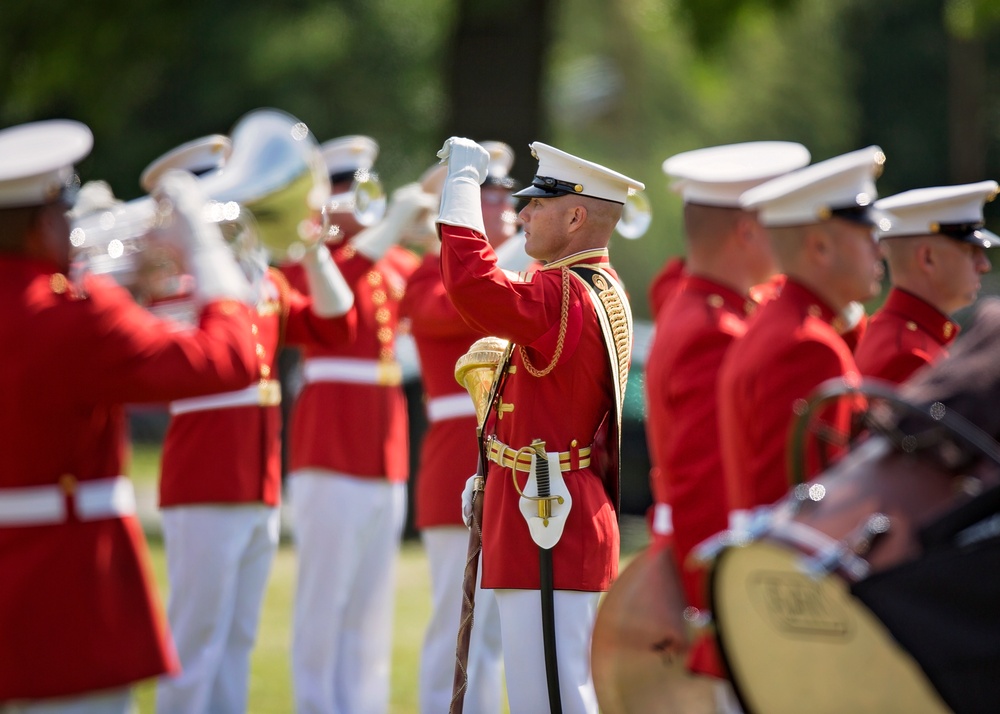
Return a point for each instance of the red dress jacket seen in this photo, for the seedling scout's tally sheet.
(356, 424)
(569, 409)
(906, 334)
(233, 454)
(693, 333)
(448, 453)
(665, 285)
(78, 610)
(789, 348)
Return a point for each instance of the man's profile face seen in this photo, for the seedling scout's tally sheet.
(544, 222)
(957, 272)
(856, 261)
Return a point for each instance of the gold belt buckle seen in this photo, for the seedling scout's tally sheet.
(389, 374)
(268, 393)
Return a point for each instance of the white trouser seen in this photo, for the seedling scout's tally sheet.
(347, 533)
(524, 653)
(218, 561)
(109, 701)
(447, 548)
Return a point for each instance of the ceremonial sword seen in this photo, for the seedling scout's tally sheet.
(546, 585)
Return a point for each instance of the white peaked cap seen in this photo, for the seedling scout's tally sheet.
(954, 211)
(843, 185)
(197, 156)
(718, 175)
(349, 153)
(560, 174)
(37, 159)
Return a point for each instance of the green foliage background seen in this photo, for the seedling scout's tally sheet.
(627, 82)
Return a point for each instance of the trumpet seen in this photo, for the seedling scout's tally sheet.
(264, 198)
(636, 215)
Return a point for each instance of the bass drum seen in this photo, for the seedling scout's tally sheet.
(640, 644)
(792, 635)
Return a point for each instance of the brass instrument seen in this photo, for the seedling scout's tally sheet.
(276, 173)
(266, 193)
(636, 215)
(477, 371)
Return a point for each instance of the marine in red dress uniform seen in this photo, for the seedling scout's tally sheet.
(572, 408)
(349, 460)
(665, 284)
(935, 249)
(78, 609)
(728, 254)
(449, 453)
(819, 221)
(220, 488)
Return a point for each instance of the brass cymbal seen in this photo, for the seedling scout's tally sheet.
(640, 644)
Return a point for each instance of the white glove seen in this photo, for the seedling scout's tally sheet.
(852, 315)
(331, 295)
(406, 206)
(467, 494)
(461, 202)
(217, 275)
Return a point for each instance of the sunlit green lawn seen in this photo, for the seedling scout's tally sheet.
(270, 677)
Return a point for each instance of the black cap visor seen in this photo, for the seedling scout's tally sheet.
(973, 233)
(545, 187)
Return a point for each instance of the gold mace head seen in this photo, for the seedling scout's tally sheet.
(476, 371)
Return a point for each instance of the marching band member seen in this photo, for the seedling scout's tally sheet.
(665, 284)
(820, 220)
(220, 481)
(728, 253)
(936, 251)
(349, 461)
(449, 454)
(553, 425)
(78, 609)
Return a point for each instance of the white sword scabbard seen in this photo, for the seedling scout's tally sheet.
(545, 515)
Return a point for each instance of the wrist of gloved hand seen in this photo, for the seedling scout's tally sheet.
(330, 293)
(461, 204)
(405, 207)
(467, 496)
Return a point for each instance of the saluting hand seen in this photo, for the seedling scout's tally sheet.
(465, 158)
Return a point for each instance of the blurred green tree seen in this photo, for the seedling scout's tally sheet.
(624, 82)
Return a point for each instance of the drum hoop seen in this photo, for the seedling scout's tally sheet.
(838, 387)
(816, 545)
(717, 630)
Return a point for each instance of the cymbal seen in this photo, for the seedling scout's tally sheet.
(640, 644)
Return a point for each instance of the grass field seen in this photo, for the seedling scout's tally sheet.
(270, 677)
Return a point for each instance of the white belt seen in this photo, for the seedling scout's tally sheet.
(450, 407)
(352, 371)
(45, 505)
(265, 393)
